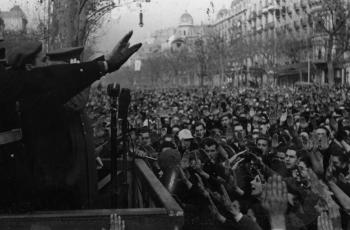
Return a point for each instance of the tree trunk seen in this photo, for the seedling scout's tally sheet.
(330, 75)
(222, 69)
(68, 24)
(330, 64)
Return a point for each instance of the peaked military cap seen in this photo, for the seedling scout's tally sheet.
(65, 54)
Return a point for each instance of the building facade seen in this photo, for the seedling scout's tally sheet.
(14, 20)
(274, 19)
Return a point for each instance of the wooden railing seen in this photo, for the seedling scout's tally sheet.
(155, 208)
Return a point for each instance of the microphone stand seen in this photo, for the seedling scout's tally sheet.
(124, 103)
(113, 91)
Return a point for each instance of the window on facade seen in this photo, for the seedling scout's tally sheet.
(319, 55)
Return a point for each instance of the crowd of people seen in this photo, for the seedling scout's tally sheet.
(270, 158)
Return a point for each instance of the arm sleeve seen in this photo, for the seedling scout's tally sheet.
(55, 85)
(11, 86)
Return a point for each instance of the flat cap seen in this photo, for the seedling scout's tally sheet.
(65, 54)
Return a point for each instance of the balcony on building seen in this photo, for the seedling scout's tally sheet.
(296, 25)
(265, 10)
(288, 27)
(303, 4)
(270, 25)
(259, 28)
(253, 14)
(303, 22)
(253, 29)
(283, 11)
(273, 7)
(278, 14)
(309, 20)
(315, 4)
(259, 12)
(280, 31)
(290, 11)
(297, 7)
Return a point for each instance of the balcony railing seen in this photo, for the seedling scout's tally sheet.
(259, 13)
(152, 206)
(303, 22)
(288, 27)
(296, 6)
(270, 25)
(296, 25)
(303, 3)
(253, 14)
(283, 11)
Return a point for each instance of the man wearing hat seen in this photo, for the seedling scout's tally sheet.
(70, 127)
(12, 169)
(185, 137)
(40, 92)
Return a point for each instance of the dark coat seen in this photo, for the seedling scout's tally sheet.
(58, 140)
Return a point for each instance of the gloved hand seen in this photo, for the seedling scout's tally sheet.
(121, 53)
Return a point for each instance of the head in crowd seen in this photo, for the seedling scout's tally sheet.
(263, 144)
(199, 130)
(145, 136)
(291, 159)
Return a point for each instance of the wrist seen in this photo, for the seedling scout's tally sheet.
(278, 221)
(238, 216)
(103, 65)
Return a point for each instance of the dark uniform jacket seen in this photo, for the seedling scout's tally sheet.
(54, 173)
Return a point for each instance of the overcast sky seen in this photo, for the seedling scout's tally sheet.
(157, 14)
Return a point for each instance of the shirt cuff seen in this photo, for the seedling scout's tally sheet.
(238, 217)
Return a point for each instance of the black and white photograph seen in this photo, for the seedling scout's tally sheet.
(174, 114)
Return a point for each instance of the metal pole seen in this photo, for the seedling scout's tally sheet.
(308, 67)
(114, 192)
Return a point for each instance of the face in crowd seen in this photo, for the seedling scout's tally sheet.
(338, 163)
(145, 138)
(226, 122)
(291, 159)
(257, 185)
(212, 152)
(199, 131)
(263, 145)
(281, 156)
(321, 136)
(239, 132)
(303, 169)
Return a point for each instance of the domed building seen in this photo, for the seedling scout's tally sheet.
(185, 28)
(14, 19)
(186, 19)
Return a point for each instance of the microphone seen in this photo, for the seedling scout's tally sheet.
(124, 102)
(113, 90)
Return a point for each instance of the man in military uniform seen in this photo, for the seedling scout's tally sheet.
(40, 91)
(73, 162)
(15, 190)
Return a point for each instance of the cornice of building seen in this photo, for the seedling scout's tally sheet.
(229, 17)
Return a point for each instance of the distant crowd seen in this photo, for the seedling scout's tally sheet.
(272, 158)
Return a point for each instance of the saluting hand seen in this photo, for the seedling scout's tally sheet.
(116, 222)
(121, 53)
